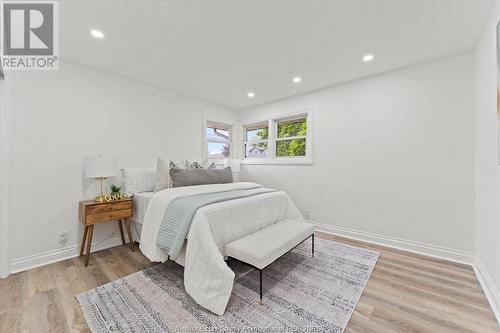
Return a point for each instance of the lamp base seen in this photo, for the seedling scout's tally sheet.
(101, 197)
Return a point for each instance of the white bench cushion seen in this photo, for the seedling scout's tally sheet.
(265, 246)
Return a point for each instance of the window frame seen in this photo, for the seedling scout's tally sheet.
(245, 138)
(225, 126)
(273, 138)
(289, 138)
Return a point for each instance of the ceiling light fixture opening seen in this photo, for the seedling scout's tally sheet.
(97, 34)
(251, 94)
(297, 79)
(368, 57)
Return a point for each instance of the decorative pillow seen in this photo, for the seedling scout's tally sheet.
(163, 180)
(183, 164)
(205, 164)
(195, 166)
(186, 177)
(137, 180)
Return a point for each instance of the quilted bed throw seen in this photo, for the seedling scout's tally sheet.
(180, 212)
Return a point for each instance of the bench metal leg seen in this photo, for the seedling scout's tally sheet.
(260, 273)
(313, 245)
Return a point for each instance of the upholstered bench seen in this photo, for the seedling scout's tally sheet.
(264, 247)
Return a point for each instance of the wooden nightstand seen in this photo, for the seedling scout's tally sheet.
(92, 212)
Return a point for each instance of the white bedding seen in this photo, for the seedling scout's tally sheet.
(141, 202)
(207, 278)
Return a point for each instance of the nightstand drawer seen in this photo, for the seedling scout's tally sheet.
(112, 206)
(107, 216)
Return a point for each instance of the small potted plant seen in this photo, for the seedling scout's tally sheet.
(115, 189)
(115, 192)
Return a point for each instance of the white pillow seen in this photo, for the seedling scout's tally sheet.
(163, 180)
(162, 175)
(138, 180)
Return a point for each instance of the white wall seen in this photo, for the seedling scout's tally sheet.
(393, 154)
(487, 169)
(4, 176)
(59, 117)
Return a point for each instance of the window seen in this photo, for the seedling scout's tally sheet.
(291, 137)
(256, 141)
(218, 139)
(279, 140)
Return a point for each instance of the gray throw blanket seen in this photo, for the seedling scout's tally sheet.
(180, 212)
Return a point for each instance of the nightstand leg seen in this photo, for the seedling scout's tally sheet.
(89, 243)
(84, 239)
(121, 231)
(129, 233)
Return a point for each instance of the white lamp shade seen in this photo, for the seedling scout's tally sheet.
(234, 164)
(99, 166)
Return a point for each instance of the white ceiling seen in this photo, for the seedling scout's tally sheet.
(218, 50)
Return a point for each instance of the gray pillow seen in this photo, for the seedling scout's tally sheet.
(185, 177)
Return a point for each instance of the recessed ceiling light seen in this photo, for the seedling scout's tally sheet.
(368, 57)
(97, 34)
(251, 94)
(297, 79)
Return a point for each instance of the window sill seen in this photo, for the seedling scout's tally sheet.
(279, 161)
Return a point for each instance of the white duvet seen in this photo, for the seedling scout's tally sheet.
(207, 278)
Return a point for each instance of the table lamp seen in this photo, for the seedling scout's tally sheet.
(99, 167)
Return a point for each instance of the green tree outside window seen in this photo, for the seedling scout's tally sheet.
(293, 147)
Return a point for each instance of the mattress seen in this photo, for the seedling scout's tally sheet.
(141, 201)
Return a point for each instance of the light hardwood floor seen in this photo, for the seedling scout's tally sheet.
(406, 293)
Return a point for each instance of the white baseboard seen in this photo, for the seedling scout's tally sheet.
(49, 257)
(400, 244)
(44, 258)
(489, 287)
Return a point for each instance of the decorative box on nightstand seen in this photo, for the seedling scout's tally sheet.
(92, 213)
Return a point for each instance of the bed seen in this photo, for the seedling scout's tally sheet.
(207, 278)
(141, 201)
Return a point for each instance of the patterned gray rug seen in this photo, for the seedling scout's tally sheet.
(301, 294)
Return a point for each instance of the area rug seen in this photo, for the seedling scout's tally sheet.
(301, 294)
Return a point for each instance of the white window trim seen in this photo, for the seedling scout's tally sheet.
(206, 122)
(245, 141)
(272, 130)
